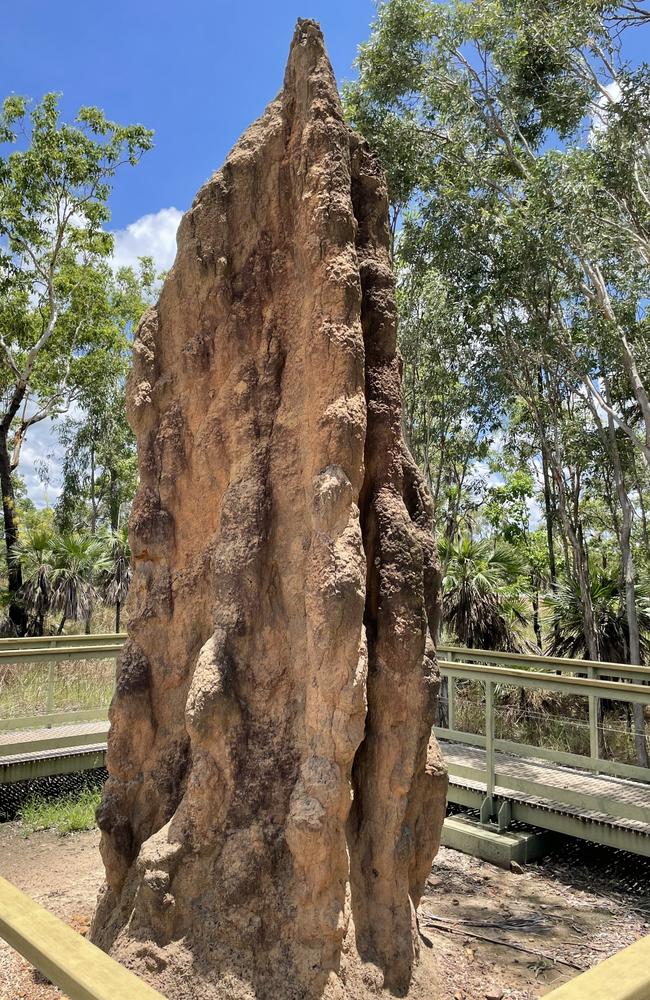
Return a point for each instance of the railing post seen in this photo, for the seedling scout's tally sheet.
(487, 807)
(489, 736)
(50, 689)
(451, 698)
(593, 720)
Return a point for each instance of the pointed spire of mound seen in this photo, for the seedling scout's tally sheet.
(275, 796)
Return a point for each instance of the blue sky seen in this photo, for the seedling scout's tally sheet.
(198, 72)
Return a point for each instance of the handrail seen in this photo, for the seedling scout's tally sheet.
(557, 662)
(494, 776)
(624, 976)
(537, 679)
(32, 654)
(71, 962)
(27, 654)
(521, 670)
(94, 638)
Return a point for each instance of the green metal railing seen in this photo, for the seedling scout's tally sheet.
(490, 676)
(498, 669)
(85, 973)
(50, 650)
(526, 661)
(600, 680)
(607, 680)
(56, 641)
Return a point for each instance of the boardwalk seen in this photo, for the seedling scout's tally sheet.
(597, 807)
(605, 801)
(34, 753)
(608, 810)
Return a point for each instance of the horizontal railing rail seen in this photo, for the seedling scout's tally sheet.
(34, 654)
(38, 651)
(35, 641)
(526, 661)
(72, 963)
(616, 682)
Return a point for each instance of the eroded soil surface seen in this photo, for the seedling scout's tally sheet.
(545, 924)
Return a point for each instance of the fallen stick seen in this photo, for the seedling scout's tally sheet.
(504, 944)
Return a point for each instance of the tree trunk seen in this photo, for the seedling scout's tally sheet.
(581, 571)
(580, 564)
(548, 517)
(17, 614)
(118, 608)
(59, 631)
(536, 619)
(629, 581)
(114, 500)
(93, 494)
(549, 506)
(643, 511)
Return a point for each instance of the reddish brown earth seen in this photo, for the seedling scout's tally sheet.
(538, 910)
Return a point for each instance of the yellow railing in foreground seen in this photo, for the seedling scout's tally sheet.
(624, 976)
(73, 964)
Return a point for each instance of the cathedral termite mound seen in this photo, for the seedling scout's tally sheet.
(275, 796)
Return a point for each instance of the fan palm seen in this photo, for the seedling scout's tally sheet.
(116, 578)
(79, 560)
(34, 553)
(566, 627)
(482, 604)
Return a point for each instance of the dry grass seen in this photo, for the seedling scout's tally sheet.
(545, 719)
(77, 685)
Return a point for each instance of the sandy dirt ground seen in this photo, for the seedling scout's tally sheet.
(497, 935)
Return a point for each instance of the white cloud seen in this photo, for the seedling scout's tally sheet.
(601, 110)
(152, 235)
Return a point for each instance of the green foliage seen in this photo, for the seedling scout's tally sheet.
(565, 625)
(55, 316)
(78, 560)
(100, 464)
(516, 142)
(63, 332)
(66, 573)
(34, 552)
(507, 505)
(482, 602)
(67, 814)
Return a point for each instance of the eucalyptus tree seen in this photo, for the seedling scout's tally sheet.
(57, 333)
(519, 140)
(100, 463)
(450, 414)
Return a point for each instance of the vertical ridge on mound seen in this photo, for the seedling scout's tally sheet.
(279, 668)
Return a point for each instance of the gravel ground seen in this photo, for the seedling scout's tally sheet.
(497, 935)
